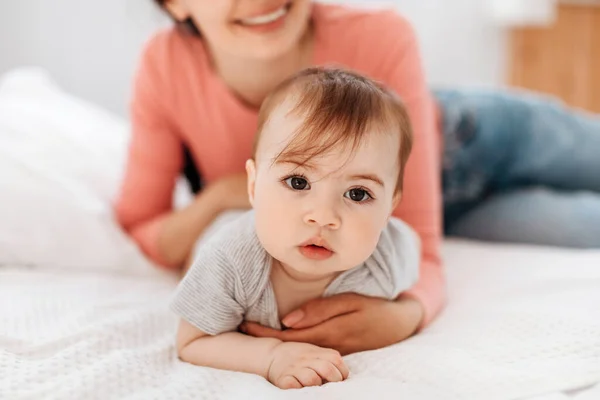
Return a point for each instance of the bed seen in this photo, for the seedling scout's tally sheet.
(83, 314)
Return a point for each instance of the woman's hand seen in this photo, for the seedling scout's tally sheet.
(182, 228)
(347, 322)
(230, 192)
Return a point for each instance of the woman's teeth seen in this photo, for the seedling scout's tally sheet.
(266, 18)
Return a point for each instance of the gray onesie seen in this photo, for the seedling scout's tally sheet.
(229, 280)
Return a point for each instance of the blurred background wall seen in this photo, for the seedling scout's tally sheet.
(91, 47)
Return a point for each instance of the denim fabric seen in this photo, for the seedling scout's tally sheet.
(519, 167)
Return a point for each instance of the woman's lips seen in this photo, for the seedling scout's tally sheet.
(267, 22)
(266, 16)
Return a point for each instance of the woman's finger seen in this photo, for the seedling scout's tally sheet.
(257, 330)
(315, 335)
(318, 335)
(317, 311)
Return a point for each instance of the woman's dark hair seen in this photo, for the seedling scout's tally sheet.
(190, 170)
(187, 25)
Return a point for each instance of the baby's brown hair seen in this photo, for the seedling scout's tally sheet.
(338, 107)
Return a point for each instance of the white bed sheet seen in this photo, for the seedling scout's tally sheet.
(522, 322)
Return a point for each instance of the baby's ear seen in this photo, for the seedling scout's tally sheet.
(395, 201)
(251, 172)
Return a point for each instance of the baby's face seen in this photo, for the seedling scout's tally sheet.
(326, 216)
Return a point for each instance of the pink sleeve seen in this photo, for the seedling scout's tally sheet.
(154, 158)
(421, 203)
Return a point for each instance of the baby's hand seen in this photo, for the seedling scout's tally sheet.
(296, 365)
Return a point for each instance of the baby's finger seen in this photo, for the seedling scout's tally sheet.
(308, 377)
(327, 370)
(289, 382)
(336, 359)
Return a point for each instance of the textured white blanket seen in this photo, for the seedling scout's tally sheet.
(521, 322)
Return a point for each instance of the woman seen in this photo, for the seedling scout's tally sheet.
(195, 106)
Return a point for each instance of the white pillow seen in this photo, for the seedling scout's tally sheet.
(61, 163)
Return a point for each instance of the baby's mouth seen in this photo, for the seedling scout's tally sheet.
(317, 242)
(315, 252)
(316, 249)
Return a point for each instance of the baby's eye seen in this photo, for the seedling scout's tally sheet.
(297, 183)
(357, 195)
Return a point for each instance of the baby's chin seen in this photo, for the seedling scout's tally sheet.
(311, 270)
(309, 276)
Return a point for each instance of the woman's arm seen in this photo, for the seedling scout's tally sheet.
(182, 228)
(144, 206)
(421, 205)
(347, 322)
(154, 159)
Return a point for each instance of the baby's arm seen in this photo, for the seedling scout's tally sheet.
(286, 365)
(230, 350)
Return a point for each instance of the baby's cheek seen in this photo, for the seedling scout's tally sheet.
(275, 221)
(365, 238)
(270, 230)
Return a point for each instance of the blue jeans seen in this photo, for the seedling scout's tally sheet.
(519, 167)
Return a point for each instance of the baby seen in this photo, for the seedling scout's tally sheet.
(325, 177)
